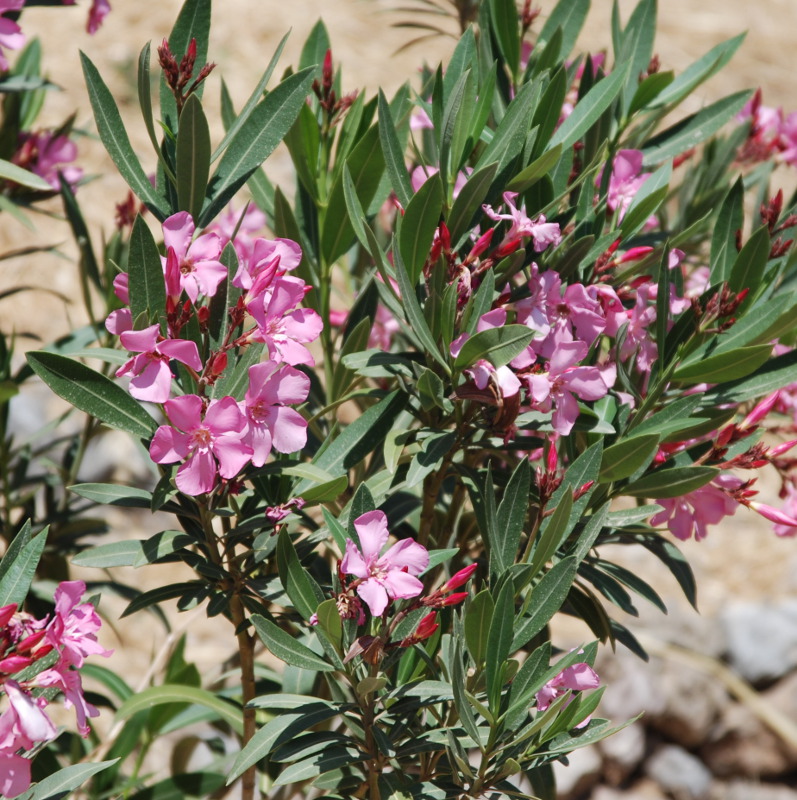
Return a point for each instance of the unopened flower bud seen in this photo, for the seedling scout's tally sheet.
(459, 578)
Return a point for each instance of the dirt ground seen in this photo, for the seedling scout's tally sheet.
(742, 559)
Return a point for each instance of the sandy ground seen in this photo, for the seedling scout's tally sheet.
(743, 559)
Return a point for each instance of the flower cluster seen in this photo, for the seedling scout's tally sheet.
(38, 655)
(216, 437)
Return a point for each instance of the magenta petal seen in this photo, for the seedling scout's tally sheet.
(153, 383)
(579, 677)
(401, 584)
(140, 341)
(289, 386)
(182, 350)
(208, 276)
(372, 531)
(177, 232)
(289, 429)
(224, 416)
(14, 774)
(206, 247)
(566, 355)
(169, 445)
(185, 411)
(198, 474)
(259, 439)
(565, 414)
(406, 553)
(374, 595)
(353, 562)
(119, 321)
(586, 382)
(233, 454)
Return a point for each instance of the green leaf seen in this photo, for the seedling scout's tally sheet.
(283, 728)
(693, 130)
(627, 456)
(331, 759)
(111, 554)
(433, 451)
(412, 309)
(146, 285)
(671, 482)
(251, 103)
(727, 366)
(504, 16)
(301, 588)
(498, 345)
(538, 168)
(359, 438)
(510, 519)
(569, 15)
(469, 201)
(65, 780)
(748, 269)
(329, 621)
(589, 109)
(775, 374)
(255, 140)
(117, 143)
(699, 71)
(547, 598)
(730, 219)
(499, 641)
(113, 494)
(552, 532)
(145, 101)
(478, 621)
(649, 90)
(366, 164)
(193, 157)
(393, 153)
(80, 233)
(167, 694)
(92, 392)
(637, 43)
(418, 226)
(285, 646)
(11, 172)
(18, 565)
(510, 135)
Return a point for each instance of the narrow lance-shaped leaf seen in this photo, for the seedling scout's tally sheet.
(193, 157)
(18, 565)
(285, 647)
(146, 283)
(92, 392)
(255, 140)
(393, 153)
(418, 226)
(117, 143)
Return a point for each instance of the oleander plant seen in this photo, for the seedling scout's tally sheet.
(402, 412)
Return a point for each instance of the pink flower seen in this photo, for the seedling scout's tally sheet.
(271, 423)
(209, 444)
(790, 512)
(558, 387)
(73, 629)
(14, 772)
(576, 678)
(152, 377)
(267, 256)
(626, 179)
(200, 271)
(46, 155)
(24, 722)
(11, 36)
(693, 512)
(542, 232)
(388, 577)
(97, 13)
(281, 325)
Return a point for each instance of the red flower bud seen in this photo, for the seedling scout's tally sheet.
(459, 578)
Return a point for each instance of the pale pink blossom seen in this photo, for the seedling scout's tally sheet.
(625, 181)
(692, 513)
(563, 381)
(200, 271)
(97, 13)
(152, 376)
(208, 444)
(283, 327)
(387, 577)
(575, 678)
(11, 36)
(542, 232)
(73, 628)
(271, 423)
(268, 258)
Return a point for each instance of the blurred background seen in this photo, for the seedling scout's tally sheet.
(720, 691)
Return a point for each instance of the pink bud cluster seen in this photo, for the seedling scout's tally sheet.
(24, 640)
(215, 438)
